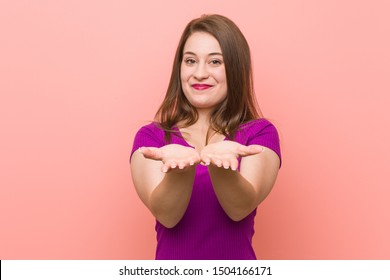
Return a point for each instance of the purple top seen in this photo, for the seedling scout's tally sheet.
(205, 232)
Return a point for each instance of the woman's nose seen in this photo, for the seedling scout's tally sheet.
(201, 72)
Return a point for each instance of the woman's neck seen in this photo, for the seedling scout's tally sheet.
(199, 134)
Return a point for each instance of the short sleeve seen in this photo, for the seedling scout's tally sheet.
(263, 132)
(148, 136)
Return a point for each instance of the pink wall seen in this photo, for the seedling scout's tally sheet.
(78, 78)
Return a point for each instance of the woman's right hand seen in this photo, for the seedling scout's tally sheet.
(172, 156)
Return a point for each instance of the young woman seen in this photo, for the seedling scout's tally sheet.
(209, 159)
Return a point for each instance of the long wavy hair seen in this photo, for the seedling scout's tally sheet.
(239, 106)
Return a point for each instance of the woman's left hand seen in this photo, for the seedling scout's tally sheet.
(225, 153)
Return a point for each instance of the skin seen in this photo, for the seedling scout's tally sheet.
(163, 177)
(203, 66)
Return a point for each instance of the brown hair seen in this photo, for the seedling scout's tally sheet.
(240, 105)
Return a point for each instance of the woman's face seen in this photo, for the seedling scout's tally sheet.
(202, 73)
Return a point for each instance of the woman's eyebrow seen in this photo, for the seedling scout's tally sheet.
(213, 53)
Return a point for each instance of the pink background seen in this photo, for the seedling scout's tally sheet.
(78, 78)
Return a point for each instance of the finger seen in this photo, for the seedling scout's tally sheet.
(194, 160)
(233, 164)
(173, 164)
(205, 160)
(216, 162)
(249, 150)
(188, 162)
(165, 168)
(170, 165)
(182, 164)
(226, 163)
(191, 161)
(151, 153)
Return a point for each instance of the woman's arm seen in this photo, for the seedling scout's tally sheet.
(163, 178)
(239, 193)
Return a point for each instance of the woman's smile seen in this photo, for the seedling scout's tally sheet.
(201, 86)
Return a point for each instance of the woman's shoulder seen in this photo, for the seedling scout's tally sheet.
(151, 127)
(149, 135)
(256, 125)
(260, 132)
(152, 132)
(257, 130)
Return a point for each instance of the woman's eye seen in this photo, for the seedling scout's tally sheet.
(189, 61)
(215, 62)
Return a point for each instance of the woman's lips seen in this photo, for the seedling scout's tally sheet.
(201, 86)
